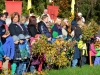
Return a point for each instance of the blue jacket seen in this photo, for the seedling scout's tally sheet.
(1, 51)
(23, 50)
(8, 47)
(27, 47)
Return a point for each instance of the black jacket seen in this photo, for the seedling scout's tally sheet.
(42, 28)
(17, 53)
(16, 30)
(32, 30)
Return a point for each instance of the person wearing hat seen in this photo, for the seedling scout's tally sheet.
(81, 17)
(24, 54)
(27, 37)
(17, 55)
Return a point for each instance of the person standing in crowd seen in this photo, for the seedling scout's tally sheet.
(16, 27)
(1, 56)
(22, 19)
(69, 28)
(8, 19)
(17, 55)
(32, 26)
(92, 50)
(46, 13)
(57, 29)
(42, 28)
(81, 17)
(97, 48)
(21, 69)
(2, 18)
(26, 21)
(31, 12)
(1, 48)
(8, 47)
(64, 32)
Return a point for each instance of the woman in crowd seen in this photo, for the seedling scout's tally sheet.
(16, 27)
(32, 29)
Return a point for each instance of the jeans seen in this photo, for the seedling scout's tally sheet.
(74, 62)
(53, 39)
(97, 61)
(21, 68)
(32, 68)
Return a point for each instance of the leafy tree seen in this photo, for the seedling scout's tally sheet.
(2, 5)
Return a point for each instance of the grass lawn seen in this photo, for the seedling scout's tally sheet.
(85, 70)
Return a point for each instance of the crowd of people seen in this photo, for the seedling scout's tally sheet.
(18, 34)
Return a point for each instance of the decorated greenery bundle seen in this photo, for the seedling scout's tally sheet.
(89, 31)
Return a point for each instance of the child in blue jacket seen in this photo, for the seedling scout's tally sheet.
(8, 48)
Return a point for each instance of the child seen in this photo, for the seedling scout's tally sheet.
(1, 55)
(24, 54)
(92, 50)
(64, 32)
(27, 37)
(8, 47)
(83, 49)
(22, 19)
(17, 55)
(97, 48)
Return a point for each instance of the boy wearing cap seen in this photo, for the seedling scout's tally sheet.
(24, 54)
(17, 55)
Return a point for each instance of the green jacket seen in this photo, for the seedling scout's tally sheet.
(98, 51)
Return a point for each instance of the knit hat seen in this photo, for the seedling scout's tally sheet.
(27, 37)
(21, 36)
(15, 38)
(55, 34)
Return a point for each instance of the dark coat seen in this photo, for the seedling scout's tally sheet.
(76, 53)
(42, 28)
(16, 30)
(58, 29)
(32, 30)
(17, 53)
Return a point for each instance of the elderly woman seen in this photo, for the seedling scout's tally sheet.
(16, 27)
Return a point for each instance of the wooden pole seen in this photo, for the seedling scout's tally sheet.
(90, 58)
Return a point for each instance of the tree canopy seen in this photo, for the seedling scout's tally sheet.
(89, 8)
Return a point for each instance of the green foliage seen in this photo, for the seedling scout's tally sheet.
(90, 30)
(2, 5)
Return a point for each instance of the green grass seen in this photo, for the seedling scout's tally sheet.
(85, 70)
